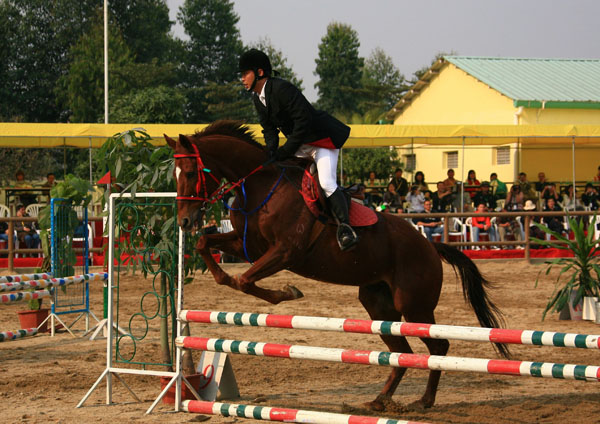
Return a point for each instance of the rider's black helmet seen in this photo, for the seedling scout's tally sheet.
(254, 60)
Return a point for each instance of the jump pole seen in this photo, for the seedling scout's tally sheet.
(281, 414)
(19, 334)
(393, 359)
(395, 328)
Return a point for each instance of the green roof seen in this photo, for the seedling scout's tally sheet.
(550, 83)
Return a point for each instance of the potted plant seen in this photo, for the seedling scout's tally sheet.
(34, 316)
(579, 275)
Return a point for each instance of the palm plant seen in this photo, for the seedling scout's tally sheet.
(582, 271)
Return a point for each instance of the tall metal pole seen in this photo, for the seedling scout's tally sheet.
(573, 166)
(106, 61)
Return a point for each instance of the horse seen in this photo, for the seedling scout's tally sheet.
(398, 271)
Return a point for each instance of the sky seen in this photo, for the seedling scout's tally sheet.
(413, 32)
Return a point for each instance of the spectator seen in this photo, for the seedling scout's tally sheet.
(430, 225)
(555, 223)
(420, 181)
(472, 184)
(498, 187)
(482, 224)
(533, 230)
(25, 198)
(570, 202)
(26, 230)
(442, 198)
(450, 182)
(509, 226)
(455, 188)
(392, 199)
(485, 196)
(50, 180)
(400, 184)
(541, 182)
(416, 200)
(526, 187)
(590, 197)
(549, 191)
(597, 176)
(372, 191)
(514, 199)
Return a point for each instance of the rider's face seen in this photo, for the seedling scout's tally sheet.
(247, 79)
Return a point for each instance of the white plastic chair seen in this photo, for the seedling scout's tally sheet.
(34, 209)
(4, 211)
(226, 226)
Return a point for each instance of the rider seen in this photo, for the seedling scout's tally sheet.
(310, 133)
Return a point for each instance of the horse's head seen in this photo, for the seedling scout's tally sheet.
(195, 183)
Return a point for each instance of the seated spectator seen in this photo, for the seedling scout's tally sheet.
(550, 191)
(526, 187)
(509, 226)
(24, 197)
(400, 184)
(442, 198)
(374, 196)
(455, 188)
(472, 184)
(50, 180)
(431, 225)
(555, 223)
(485, 196)
(570, 202)
(420, 181)
(541, 182)
(4, 233)
(534, 231)
(597, 176)
(26, 230)
(392, 199)
(482, 224)
(450, 182)
(498, 187)
(514, 199)
(416, 200)
(590, 197)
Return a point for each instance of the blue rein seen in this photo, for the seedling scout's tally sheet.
(248, 213)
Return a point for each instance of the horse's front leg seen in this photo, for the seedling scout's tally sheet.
(274, 260)
(228, 242)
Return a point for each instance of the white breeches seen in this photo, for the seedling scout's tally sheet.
(326, 161)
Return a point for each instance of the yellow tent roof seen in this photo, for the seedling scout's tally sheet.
(31, 135)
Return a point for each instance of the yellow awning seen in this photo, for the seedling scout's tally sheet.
(31, 135)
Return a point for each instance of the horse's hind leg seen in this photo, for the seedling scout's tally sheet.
(378, 301)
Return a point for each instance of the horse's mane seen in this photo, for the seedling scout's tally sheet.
(236, 129)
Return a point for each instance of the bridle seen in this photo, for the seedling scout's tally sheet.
(219, 192)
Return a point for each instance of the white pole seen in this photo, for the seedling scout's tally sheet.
(106, 61)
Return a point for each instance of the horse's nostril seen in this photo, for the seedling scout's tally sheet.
(185, 222)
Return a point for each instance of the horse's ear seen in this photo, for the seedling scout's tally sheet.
(172, 143)
(185, 142)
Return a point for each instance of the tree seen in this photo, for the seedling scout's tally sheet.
(82, 89)
(339, 69)
(420, 72)
(211, 53)
(160, 105)
(278, 61)
(358, 163)
(382, 81)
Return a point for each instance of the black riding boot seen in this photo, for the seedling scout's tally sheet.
(346, 237)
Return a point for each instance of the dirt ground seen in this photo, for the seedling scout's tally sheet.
(44, 378)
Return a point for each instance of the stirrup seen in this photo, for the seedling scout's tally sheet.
(346, 237)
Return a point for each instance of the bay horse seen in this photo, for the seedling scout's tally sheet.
(398, 271)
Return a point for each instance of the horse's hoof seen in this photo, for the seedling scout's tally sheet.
(294, 292)
(419, 405)
(374, 406)
(385, 405)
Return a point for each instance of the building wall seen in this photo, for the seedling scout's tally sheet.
(454, 97)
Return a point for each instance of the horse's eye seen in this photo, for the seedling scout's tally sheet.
(190, 174)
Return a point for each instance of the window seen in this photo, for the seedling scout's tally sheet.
(502, 156)
(410, 162)
(451, 159)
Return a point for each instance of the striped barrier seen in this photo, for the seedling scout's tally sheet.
(20, 296)
(281, 414)
(24, 277)
(19, 334)
(393, 359)
(42, 283)
(395, 328)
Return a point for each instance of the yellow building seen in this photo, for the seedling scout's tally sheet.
(460, 90)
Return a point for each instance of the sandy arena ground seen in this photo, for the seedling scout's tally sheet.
(43, 378)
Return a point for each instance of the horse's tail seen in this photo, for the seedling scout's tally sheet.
(474, 285)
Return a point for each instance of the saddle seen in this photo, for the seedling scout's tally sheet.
(314, 198)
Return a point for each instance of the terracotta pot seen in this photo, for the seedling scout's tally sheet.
(32, 319)
(186, 394)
